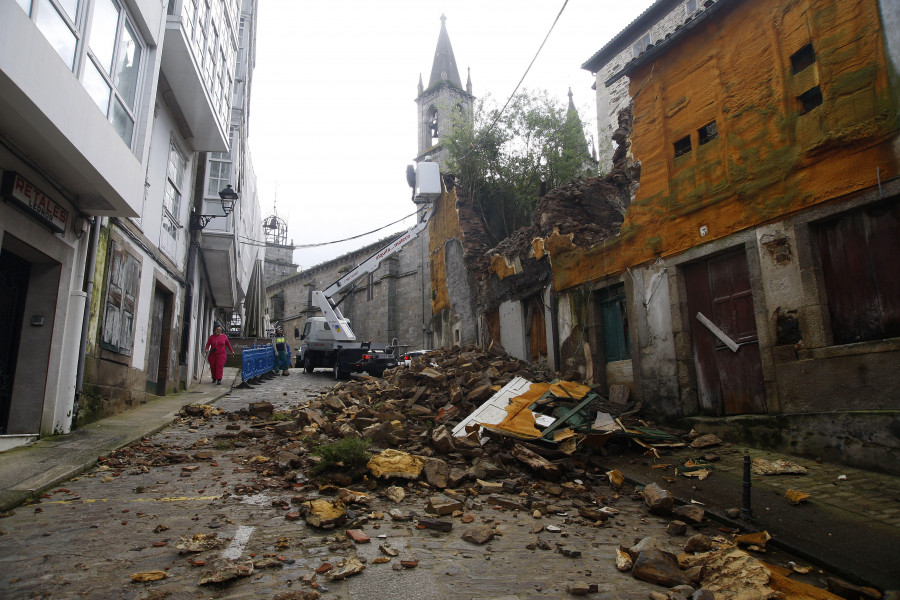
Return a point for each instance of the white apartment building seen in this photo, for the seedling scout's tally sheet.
(112, 115)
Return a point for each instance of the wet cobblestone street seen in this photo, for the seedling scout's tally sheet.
(87, 537)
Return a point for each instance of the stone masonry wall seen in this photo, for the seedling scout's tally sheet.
(612, 99)
(392, 308)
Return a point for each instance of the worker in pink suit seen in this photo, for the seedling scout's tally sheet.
(216, 344)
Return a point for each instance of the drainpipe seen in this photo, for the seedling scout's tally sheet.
(188, 303)
(86, 318)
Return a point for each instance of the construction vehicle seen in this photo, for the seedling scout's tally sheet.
(328, 341)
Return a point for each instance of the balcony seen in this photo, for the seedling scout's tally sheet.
(185, 78)
(218, 249)
(49, 117)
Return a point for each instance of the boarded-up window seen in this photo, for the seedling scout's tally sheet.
(616, 343)
(859, 253)
(121, 293)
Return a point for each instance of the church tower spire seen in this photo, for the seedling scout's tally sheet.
(442, 101)
(576, 144)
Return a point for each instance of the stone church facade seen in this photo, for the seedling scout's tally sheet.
(393, 305)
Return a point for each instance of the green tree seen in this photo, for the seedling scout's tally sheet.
(505, 160)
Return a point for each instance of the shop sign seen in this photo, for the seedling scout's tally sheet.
(19, 190)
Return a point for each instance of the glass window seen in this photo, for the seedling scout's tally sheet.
(122, 122)
(26, 6)
(174, 177)
(106, 54)
(70, 7)
(104, 28)
(641, 45)
(115, 47)
(219, 176)
(96, 85)
(57, 32)
(127, 62)
(168, 240)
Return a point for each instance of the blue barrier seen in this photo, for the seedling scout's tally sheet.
(256, 361)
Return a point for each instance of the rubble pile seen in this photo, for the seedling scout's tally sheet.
(420, 448)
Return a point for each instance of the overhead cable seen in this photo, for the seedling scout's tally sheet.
(253, 242)
(524, 75)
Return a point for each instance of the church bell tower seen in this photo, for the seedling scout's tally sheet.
(443, 101)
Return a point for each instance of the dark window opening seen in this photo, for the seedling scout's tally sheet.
(802, 58)
(683, 146)
(858, 251)
(810, 99)
(708, 133)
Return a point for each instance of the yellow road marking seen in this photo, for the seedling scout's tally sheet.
(169, 499)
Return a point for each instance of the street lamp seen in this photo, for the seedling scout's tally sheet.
(227, 197)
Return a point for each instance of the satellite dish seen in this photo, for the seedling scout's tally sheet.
(411, 176)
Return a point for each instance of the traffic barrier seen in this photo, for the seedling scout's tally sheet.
(256, 362)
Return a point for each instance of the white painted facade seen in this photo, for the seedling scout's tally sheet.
(87, 127)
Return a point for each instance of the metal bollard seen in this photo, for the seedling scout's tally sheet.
(746, 511)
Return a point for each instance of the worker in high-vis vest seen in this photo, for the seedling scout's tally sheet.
(282, 360)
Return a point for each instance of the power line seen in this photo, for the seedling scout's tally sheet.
(524, 75)
(253, 242)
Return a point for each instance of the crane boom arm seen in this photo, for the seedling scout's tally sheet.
(333, 316)
(426, 182)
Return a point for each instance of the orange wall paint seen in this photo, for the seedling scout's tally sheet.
(443, 227)
(768, 160)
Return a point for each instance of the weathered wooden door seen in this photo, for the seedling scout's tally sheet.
(155, 384)
(729, 381)
(14, 275)
(537, 330)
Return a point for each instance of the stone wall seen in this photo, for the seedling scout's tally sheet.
(390, 304)
(615, 98)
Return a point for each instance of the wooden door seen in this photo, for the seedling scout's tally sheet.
(14, 276)
(537, 330)
(155, 384)
(729, 382)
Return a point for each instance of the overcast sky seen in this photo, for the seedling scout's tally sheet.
(333, 112)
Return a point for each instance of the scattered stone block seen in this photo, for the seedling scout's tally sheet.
(442, 440)
(538, 464)
(436, 524)
(261, 410)
(481, 534)
(624, 561)
(690, 512)
(394, 463)
(658, 500)
(436, 473)
(442, 505)
(676, 528)
(358, 536)
(659, 567)
(698, 543)
(579, 589)
(351, 566)
(395, 494)
(324, 514)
